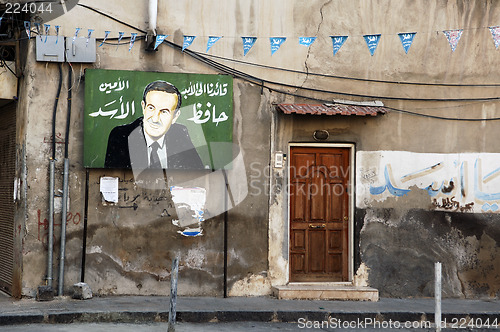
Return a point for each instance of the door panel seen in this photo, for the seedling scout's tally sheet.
(319, 214)
(317, 251)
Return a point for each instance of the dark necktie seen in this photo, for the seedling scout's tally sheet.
(154, 160)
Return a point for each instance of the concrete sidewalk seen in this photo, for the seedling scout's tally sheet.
(137, 309)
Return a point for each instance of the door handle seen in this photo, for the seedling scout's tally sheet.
(317, 226)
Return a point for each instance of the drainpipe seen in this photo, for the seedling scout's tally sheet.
(153, 14)
(50, 237)
(64, 212)
(151, 31)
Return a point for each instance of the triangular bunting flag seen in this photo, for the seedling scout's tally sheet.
(188, 40)
(106, 34)
(76, 34)
(406, 39)
(372, 42)
(159, 40)
(1, 21)
(338, 41)
(88, 37)
(248, 42)
(133, 35)
(453, 37)
(120, 36)
(211, 41)
(27, 27)
(495, 32)
(276, 43)
(46, 29)
(57, 32)
(306, 41)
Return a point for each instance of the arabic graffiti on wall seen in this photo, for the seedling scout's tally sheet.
(113, 98)
(466, 182)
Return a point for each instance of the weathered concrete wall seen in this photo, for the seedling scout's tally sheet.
(130, 245)
(37, 98)
(400, 248)
(398, 239)
(129, 250)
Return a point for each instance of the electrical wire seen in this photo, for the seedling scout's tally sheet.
(309, 73)
(323, 101)
(351, 78)
(253, 79)
(263, 82)
(4, 64)
(442, 117)
(320, 74)
(111, 17)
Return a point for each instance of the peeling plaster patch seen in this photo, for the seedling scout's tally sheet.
(127, 266)
(255, 285)
(361, 277)
(195, 258)
(189, 204)
(484, 273)
(396, 257)
(58, 204)
(233, 256)
(94, 250)
(278, 264)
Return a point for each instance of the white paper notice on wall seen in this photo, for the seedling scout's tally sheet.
(109, 189)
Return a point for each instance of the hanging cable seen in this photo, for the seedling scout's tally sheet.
(350, 78)
(260, 81)
(253, 79)
(111, 17)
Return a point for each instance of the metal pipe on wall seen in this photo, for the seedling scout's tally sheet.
(65, 187)
(153, 15)
(85, 219)
(64, 213)
(50, 236)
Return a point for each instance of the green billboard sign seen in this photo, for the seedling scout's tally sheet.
(190, 116)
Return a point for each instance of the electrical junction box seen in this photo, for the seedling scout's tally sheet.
(61, 49)
(50, 48)
(80, 49)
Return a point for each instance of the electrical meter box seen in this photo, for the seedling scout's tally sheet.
(50, 48)
(80, 49)
(61, 49)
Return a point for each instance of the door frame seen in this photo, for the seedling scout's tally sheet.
(351, 195)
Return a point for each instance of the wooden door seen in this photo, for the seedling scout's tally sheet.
(319, 214)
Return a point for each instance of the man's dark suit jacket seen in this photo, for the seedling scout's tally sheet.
(127, 148)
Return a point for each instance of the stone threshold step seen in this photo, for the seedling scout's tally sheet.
(325, 291)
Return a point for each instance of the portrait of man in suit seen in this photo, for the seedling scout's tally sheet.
(154, 140)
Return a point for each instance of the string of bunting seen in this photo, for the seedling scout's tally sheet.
(372, 41)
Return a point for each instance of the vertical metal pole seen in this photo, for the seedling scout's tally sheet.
(225, 233)
(437, 294)
(50, 236)
(64, 213)
(173, 294)
(85, 219)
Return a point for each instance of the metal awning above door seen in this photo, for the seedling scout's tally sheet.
(332, 109)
